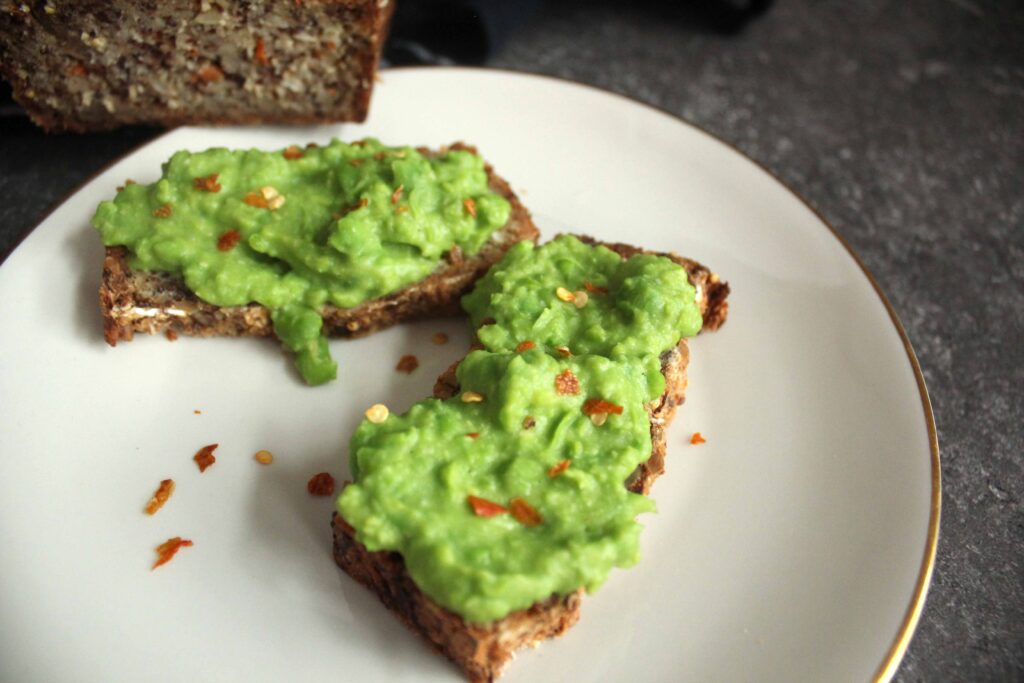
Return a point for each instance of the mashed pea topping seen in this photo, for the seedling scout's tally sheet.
(513, 490)
(295, 229)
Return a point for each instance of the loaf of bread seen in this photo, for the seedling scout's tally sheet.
(83, 65)
(483, 651)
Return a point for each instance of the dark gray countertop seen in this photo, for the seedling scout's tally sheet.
(903, 124)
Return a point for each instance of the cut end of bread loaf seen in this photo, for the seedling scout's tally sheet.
(99, 64)
(133, 301)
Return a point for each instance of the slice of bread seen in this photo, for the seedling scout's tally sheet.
(133, 301)
(483, 650)
(98, 64)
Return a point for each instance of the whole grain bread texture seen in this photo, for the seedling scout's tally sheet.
(86, 65)
(133, 301)
(483, 651)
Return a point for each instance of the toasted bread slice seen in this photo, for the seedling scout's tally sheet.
(483, 650)
(152, 302)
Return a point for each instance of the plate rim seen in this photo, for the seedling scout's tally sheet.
(894, 655)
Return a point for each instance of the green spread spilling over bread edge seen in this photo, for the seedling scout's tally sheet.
(297, 229)
(514, 490)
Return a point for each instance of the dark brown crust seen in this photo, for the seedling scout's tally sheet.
(483, 650)
(368, 22)
(153, 302)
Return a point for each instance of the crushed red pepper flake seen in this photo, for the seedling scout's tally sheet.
(259, 54)
(402, 209)
(322, 484)
(594, 289)
(559, 468)
(228, 240)
(470, 206)
(524, 513)
(256, 199)
(204, 456)
(210, 73)
(566, 383)
(162, 211)
(355, 162)
(77, 69)
(485, 508)
(525, 346)
(529, 422)
(440, 338)
(163, 492)
(171, 335)
(597, 406)
(397, 194)
(697, 439)
(168, 549)
(292, 153)
(207, 183)
(564, 350)
(473, 435)
(407, 364)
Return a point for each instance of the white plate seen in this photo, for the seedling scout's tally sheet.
(795, 545)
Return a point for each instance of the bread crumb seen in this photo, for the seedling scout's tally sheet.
(407, 364)
(472, 397)
(580, 299)
(566, 383)
(564, 294)
(322, 484)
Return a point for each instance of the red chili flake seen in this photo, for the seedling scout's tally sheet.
(260, 53)
(470, 206)
(407, 364)
(525, 513)
(166, 550)
(697, 439)
(77, 69)
(525, 346)
(529, 422)
(321, 484)
(162, 211)
(207, 184)
(559, 468)
(331, 45)
(595, 406)
(473, 435)
(163, 492)
(380, 156)
(402, 209)
(171, 335)
(204, 456)
(594, 289)
(256, 199)
(210, 74)
(564, 350)
(484, 508)
(292, 153)
(355, 162)
(397, 194)
(228, 240)
(566, 384)
(440, 338)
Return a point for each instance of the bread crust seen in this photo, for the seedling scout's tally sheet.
(482, 651)
(151, 302)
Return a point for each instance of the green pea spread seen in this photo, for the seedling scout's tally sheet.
(295, 230)
(519, 431)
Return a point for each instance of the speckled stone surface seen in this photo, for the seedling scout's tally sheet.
(903, 124)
